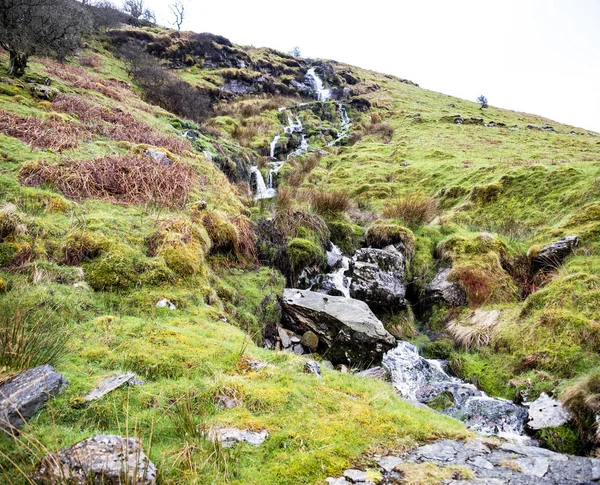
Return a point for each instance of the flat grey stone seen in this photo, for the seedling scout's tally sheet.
(441, 451)
(337, 481)
(595, 469)
(26, 394)
(546, 412)
(109, 384)
(374, 373)
(537, 467)
(356, 475)
(312, 367)
(388, 463)
(228, 437)
(480, 462)
(101, 459)
(533, 451)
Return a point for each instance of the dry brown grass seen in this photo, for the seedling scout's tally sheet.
(328, 203)
(381, 129)
(303, 167)
(119, 178)
(43, 134)
(90, 60)
(117, 124)
(82, 79)
(413, 209)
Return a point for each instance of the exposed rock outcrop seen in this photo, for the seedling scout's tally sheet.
(546, 412)
(554, 254)
(440, 290)
(26, 394)
(101, 459)
(378, 277)
(349, 333)
(229, 437)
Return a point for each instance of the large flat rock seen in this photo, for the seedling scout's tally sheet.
(101, 460)
(26, 394)
(348, 331)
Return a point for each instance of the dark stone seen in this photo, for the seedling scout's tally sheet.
(377, 277)
(360, 104)
(101, 459)
(349, 333)
(26, 394)
(440, 290)
(554, 254)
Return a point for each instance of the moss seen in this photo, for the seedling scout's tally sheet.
(122, 267)
(385, 232)
(439, 349)
(82, 246)
(431, 474)
(484, 194)
(346, 235)
(400, 324)
(562, 439)
(222, 232)
(442, 401)
(303, 253)
(3, 285)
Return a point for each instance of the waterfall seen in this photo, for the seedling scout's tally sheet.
(302, 148)
(274, 146)
(346, 124)
(338, 278)
(274, 167)
(262, 192)
(323, 94)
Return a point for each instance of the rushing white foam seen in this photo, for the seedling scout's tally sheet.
(323, 94)
(262, 192)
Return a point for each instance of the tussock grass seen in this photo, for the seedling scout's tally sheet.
(328, 203)
(413, 209)
(118, 178)
(582, 399)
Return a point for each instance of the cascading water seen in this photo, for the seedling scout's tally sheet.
(346, 124)
(323, 94)
(262, 192)
(338, 278)
(274, 146)
(424, 380)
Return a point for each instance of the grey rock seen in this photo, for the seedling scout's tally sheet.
(284, 336)
(374, 373)
(42, 91)
(256, 364)
(388, 463)
(26, 394)
(377, 277)
(337, 481)
(537, 467)
(444, 291)
(443, 450)
(298, 349)
(347, 329)
(310, 340)
(480, 462)
(312, 367)
(546, 412)
(492, 415)
(226, 402)
(554, 254)
(164, 303)
(109, 384)
(101, 459)
(355, 475)
(228, 437)
(159, 156)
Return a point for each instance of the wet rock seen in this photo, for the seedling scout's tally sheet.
(101, 459)
(355, 475)
(441, 290)
(159, 156)
(229, 437)
(312, 367)
(388, 463)
(284, 336)
(554, 254)
(492, 415)
(546, 412)
(110, 384)
(347, 329)
(377, 277)
(26, 394)
(360, 104)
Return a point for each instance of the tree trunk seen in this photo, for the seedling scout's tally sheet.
(17, 63)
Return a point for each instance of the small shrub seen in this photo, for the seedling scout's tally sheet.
(413, 210)
(119, 178)
(90, 60)
(328, 203)
(381, 129)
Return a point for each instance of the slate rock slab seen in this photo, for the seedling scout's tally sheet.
(26, 394)
(229, 437)
(101, 460)
(110, 384)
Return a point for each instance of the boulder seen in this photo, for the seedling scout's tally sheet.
(374, 373)
(310, 340)
(440, 290)
(554, 254)
(546, 412)
(111, 383)
(377, 277)
(101, 459)
(348, 331)
(312, 367)
(228, 437)
(26, 394)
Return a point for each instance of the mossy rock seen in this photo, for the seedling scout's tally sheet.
(484, 194)
(438, 349)
(303, 253)
(458, 246)
(346, 235)
(385, 232)
(122, 267)
(222, 232)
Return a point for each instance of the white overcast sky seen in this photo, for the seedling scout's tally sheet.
(538, 56)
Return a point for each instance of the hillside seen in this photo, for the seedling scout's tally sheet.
(138, 239)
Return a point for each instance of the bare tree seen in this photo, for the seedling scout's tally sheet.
(482, 100)
(138, 10)
(178, 9)
(40, 27)
(295, 52)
